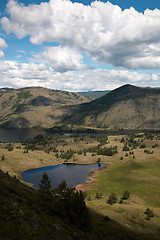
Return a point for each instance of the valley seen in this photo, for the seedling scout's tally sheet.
(133, 167)
(120, 129)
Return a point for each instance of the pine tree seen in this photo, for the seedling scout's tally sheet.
(126, 195)
(112, 199)
(45, 185)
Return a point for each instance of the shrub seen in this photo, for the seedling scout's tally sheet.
(89, 198)
(112, 199)
(126, 195)
(9, 147)
(149, 214)
(98, 195)
(121, 201)
(126, 148)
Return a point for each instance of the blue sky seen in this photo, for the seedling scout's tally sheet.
(79, 45)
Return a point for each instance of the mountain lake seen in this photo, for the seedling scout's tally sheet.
(72, 173)
(18, 134)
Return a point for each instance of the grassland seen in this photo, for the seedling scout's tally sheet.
(136, 170)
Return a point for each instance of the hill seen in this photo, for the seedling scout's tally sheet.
(35, 106)
(128, 107)
(93, 94)
(28, 214)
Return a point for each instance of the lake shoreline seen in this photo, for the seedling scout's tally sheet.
(51, 167)
(90, 179)
(69, 163)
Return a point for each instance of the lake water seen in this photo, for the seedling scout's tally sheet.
(73, 174)
(17, 134)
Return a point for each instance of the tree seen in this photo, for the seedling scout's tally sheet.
(98, 195)
(126, 195)
(149, 214)
(112, 199)
(45, 185)
(62, 186)
(89, 198)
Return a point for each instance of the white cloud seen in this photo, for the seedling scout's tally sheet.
(102, 31)
(61, 58)
(24, 75)
(21, 51)
(2, 45)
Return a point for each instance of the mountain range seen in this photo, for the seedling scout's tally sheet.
(128, 107)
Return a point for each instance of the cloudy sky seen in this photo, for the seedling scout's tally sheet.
(79, 45)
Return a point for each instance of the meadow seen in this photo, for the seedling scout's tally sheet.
(135, 167)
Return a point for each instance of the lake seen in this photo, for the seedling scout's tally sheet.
(73, 174)
(18, 134)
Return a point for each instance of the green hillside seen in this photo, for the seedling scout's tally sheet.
(127, 107)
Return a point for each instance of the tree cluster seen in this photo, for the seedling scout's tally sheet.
(114, 199)
(67, 203)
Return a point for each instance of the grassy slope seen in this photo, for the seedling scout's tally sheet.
(35, 106)
(140, 176)
(125, 107)
(22, 217)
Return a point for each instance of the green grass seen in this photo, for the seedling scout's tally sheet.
(139, 178)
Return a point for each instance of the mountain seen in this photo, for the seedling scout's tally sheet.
(35, 106)
(128, 107)
(93, 94)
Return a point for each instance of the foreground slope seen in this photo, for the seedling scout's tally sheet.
(24, 216)
(35, 106)
(127, 107)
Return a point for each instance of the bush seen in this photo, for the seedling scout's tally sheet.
(98, 195)
(112, 199)
(9, 147)
(121, 201)
(149, 214)
(126, 195)
(89, 198)
(126, 148)
(142, 146)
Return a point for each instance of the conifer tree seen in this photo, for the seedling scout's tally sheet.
(45, 185)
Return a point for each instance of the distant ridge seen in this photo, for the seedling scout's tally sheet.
(93, 94)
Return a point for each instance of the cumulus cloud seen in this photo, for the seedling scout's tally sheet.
(102, 31)
(2, 45)
(19, 75)
(61, 58)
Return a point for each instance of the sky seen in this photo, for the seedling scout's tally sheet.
(79, 45)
